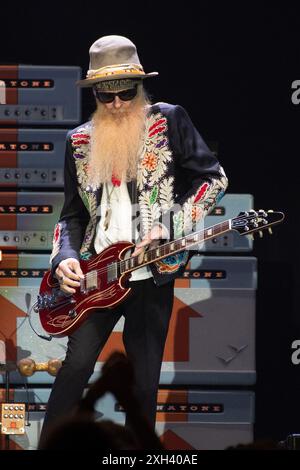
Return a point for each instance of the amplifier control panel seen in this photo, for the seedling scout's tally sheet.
(31, 94)
(39, 240)
(30, 176)
(32, 158)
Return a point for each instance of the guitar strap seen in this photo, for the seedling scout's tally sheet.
(132, 190)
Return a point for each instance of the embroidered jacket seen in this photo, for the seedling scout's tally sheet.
(178, 179)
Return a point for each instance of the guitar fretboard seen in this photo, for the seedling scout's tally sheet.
(170, 248)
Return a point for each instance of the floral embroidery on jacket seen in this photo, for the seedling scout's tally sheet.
(86, 255)
(90, 201)
(199, 205)
(81, 147)
(88, 236)
(156, 152)
(150, 161)
(56, 241)
(155, 188)
(172, 263)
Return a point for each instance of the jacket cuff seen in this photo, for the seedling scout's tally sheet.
(60, 257)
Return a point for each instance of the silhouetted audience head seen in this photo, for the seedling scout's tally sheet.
(81, 433)
(263, 444)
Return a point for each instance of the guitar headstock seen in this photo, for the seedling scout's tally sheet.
(256, 221)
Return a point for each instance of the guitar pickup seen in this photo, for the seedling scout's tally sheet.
(91, 281)
(112, 272)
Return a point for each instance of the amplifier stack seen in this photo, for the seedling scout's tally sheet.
(206, 398)
(38, 105)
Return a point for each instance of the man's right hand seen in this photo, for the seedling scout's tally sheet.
(69, 274)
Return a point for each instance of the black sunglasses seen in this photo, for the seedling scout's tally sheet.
(125, 95)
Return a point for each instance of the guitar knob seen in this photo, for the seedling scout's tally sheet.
(72, 313)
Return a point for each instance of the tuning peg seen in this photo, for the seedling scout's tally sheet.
(251, 236)
(270, 230)
(270, 210)
(262, 213)
(261, 234)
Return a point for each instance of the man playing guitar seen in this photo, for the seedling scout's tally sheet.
(130, 154)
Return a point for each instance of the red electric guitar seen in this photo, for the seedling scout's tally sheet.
(106, 274)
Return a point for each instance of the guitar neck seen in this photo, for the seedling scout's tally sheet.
(155, 254)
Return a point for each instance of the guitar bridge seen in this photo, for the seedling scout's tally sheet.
(91, 281)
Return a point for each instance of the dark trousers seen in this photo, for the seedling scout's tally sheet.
(147, 313)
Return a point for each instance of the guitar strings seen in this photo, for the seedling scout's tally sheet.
(200, 235)
(118, 263)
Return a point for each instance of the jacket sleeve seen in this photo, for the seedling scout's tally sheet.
(200, 181)
(74, 217)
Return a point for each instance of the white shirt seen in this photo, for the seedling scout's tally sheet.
(120, 223)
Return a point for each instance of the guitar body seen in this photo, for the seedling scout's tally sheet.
(61, 314)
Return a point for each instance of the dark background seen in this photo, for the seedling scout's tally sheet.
(232, 68)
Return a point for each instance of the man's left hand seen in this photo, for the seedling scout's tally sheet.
(156, 233)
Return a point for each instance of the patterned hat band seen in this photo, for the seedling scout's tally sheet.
(113, 58)
(116, 85)
(119, 69)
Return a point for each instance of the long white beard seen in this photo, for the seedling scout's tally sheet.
(116, 143)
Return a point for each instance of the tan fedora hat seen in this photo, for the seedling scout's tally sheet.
(113, 58)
